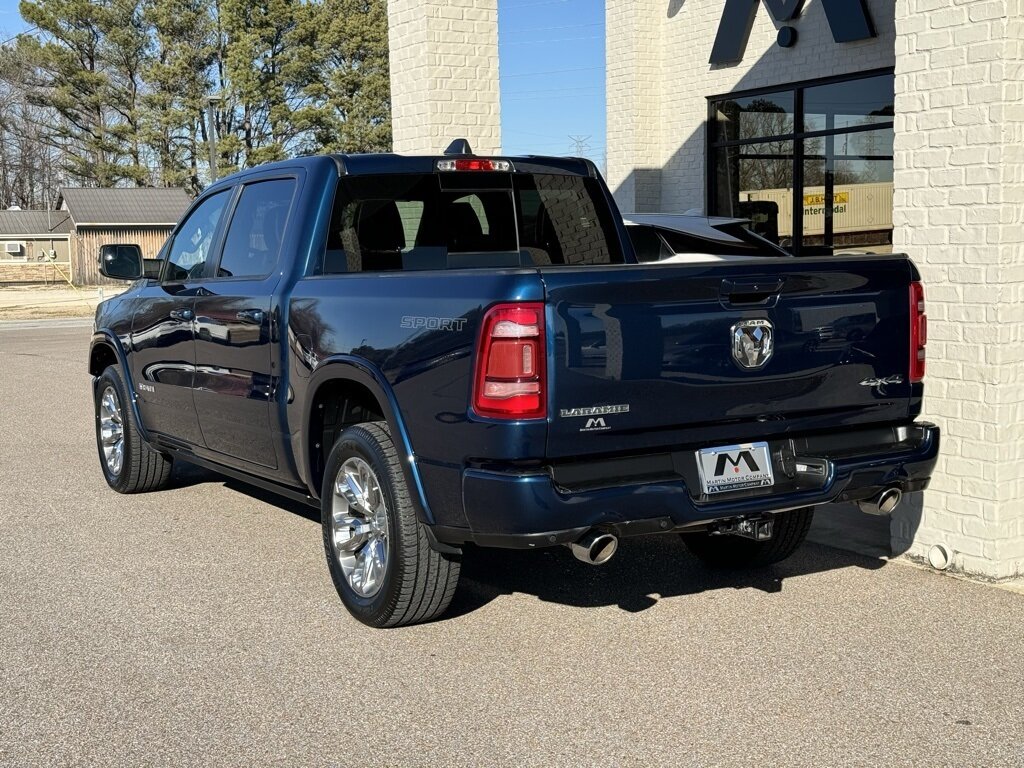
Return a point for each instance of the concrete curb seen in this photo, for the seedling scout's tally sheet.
(57, 322)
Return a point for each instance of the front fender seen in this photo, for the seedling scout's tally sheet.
(106, 337)
(361, 371)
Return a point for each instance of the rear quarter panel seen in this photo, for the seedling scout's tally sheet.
(418, 331)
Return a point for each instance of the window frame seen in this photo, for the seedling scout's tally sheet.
(239, 189)
(796, 139)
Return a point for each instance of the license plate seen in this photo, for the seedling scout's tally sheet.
(735, 468)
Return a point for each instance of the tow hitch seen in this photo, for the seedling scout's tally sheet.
(758, 529)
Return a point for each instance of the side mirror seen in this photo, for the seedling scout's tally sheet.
(121, 262)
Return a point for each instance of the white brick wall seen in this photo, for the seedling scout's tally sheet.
(959, 213)
(444, 74)
(633, 134)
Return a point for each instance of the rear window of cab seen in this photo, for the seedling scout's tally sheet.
(459, 220)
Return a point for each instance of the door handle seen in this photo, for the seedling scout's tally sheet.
(184, 315)
(751, 292)
(254, 316)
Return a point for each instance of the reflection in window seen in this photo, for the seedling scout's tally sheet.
(849, 104)
(186, 258)
(754, 116)
(813, 180)
(411, 212)
(756, 183)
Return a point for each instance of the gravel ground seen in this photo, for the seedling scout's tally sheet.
(198, 626)
(28, 302)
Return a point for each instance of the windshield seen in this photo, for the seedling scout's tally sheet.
(465, 220)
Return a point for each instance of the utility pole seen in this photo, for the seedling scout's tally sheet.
(211, 134)
(580, 144)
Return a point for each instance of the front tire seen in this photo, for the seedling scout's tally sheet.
(733, 552)
(378, 554)
(129, 464)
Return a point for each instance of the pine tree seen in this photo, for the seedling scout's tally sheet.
(339, 62)
(125, 48)
(178, 84)
(256, 116)
(119, 88)
(65, 74)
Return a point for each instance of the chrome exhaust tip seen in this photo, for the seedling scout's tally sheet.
(884, 503)
(595, 548)
(888, 500)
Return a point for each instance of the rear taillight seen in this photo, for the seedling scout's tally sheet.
(918, 331)
(509, 379)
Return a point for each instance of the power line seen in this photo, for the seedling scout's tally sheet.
(28, 31)
(553, 143)
(553, 40)
(528, 133)
(552, 72)
(553, 96)
(550, 29)
(553, 90)
(534, 5)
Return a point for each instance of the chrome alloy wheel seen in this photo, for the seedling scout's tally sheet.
(359, 527)
(111, 431)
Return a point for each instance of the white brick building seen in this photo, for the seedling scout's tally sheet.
(444, 74)
(908, 139)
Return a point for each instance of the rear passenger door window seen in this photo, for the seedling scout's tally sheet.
(252, 247)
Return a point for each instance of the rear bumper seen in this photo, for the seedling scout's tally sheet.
(653, 493)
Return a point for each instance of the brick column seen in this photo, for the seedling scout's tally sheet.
(444, 74)
(632, 93)
(959, 213)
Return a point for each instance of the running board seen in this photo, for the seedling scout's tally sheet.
(287, 491)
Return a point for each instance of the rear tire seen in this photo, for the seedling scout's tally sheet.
(377, 551)
(733, 552)
(129, 464)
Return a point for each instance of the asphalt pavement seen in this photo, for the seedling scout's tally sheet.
(198, 626)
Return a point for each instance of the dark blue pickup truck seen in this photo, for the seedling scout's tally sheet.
(452, 350)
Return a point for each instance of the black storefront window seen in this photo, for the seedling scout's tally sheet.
(810, 164)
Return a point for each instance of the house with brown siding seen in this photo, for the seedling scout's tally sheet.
(34, 246)
(144, 216)
(54, 246)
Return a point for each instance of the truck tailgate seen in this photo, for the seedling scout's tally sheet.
(643, 355)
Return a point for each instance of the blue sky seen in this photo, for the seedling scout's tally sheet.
(552, 73)
(551, 62)
(10, 20)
